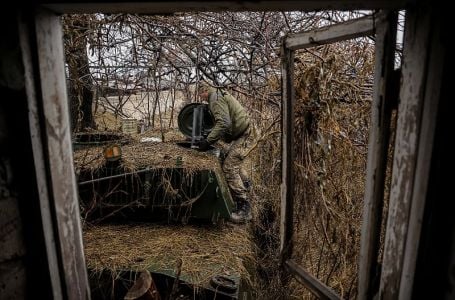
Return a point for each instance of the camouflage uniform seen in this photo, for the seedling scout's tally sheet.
(232, 126)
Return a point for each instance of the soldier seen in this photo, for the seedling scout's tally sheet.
(232, 125)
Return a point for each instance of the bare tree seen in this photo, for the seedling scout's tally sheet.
(80, 78)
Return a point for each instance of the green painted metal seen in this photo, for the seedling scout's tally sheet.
(160, 194)
(215, 202)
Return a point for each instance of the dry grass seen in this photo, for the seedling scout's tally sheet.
(204, 251)
(333, 103)
(333, 98)
(150, 154)
(167, 135)
(108, 122)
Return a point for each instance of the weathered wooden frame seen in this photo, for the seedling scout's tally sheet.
(171, 6)
(40, 36)
(378, 142)
(420, 93)
(383, 25)
(51, 142)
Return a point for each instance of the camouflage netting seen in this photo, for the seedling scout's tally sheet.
(139, 155)
(204, 251)
(333, 103)
(333, 98)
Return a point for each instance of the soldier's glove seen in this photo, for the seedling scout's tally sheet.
(204, 145)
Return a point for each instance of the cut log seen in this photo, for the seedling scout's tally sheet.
(143, 288)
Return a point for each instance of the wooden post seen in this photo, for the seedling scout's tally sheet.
(409, 174)
(57, 172)
(331, 34)
(319, 289)
(433, 81)
(287, 182)
(39, 155)
(171, 6)
(381, 110)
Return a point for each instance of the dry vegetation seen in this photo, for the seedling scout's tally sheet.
(240, 51)
(333, 88)
(204, 251)
(139, 155)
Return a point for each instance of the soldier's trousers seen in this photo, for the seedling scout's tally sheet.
(232, 166)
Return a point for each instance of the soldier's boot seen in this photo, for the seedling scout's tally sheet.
(242, 213)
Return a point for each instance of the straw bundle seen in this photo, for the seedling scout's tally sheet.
(204, 251)
(151, 154)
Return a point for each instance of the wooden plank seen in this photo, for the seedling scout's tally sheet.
(381, 110)
(25, 37)
(434, 79)
(287, 160)
(160, 6)
(331, 34)
(60, 170)
(318, 288)
(415, 62)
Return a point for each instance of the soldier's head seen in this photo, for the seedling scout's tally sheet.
(203, 90)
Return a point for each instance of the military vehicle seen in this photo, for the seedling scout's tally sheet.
(161, 188)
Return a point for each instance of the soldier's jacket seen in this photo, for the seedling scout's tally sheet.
(231, 119)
